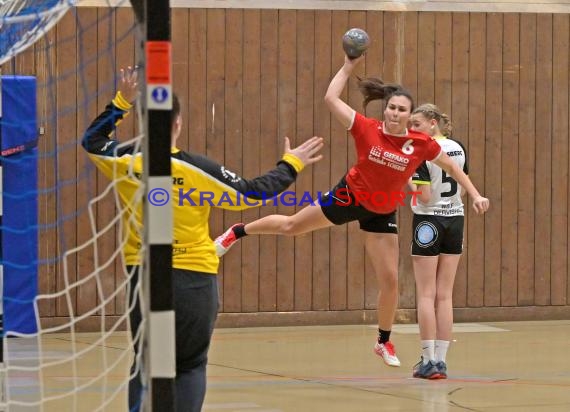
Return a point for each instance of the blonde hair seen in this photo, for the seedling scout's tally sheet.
(431, 112)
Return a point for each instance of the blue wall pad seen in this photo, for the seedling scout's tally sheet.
(19, 119)
(18, 136)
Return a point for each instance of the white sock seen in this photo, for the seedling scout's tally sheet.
(441, 347)
(428, 350)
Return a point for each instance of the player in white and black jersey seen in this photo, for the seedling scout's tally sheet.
(437, 242)
(445, 193)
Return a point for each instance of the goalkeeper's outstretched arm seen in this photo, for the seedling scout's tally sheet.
(98, 139)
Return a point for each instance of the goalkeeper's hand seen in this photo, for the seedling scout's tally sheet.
(128, 85)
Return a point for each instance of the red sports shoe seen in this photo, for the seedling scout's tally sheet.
(225, 241)
(387, 352)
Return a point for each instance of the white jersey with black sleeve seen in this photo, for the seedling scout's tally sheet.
(445, 191)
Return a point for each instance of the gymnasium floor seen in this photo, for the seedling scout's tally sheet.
(503, 367)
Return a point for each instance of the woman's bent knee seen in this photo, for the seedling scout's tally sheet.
(290, 227)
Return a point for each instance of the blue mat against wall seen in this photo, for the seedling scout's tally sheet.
(19, 246)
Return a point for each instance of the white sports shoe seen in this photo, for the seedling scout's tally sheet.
(387, 352)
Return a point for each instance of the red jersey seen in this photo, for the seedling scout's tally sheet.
(386, 162)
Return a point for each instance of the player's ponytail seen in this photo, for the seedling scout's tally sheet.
(375, 89)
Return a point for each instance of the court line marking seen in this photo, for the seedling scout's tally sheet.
(231, 405)
(413, 328)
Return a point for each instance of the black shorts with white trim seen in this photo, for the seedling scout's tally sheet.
(434, 235)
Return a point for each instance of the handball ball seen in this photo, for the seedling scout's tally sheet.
(355, 42)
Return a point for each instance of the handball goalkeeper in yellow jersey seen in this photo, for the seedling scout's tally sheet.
(194, 261)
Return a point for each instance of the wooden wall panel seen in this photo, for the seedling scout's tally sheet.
(543, 159)
(106, 65)
(305, 97)
(287, 126)
(559, 187)
(444, 59)
(426, 58)
(47, 271)
(509, 158)
(459, 113)
(125, 56)
(409, 78)
(87, 110)
(526, 165)
(375, 55)
(235, 144)
(251, 151)
(197, 110)
(269, 151)
(475, 246)
(322, 180)
(355, 240)
(216, 114)
(66, 89)
(339, 140)
(248, 78)
(391, 64)
(181, 71)
(492, 165)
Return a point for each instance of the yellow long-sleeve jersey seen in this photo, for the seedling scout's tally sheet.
(198, 185)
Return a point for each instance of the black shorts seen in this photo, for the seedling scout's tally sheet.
(434, 235)
(339, 210)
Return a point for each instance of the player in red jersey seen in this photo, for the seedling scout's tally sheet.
(387, 156)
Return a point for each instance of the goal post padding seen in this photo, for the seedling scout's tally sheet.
(19, 137)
